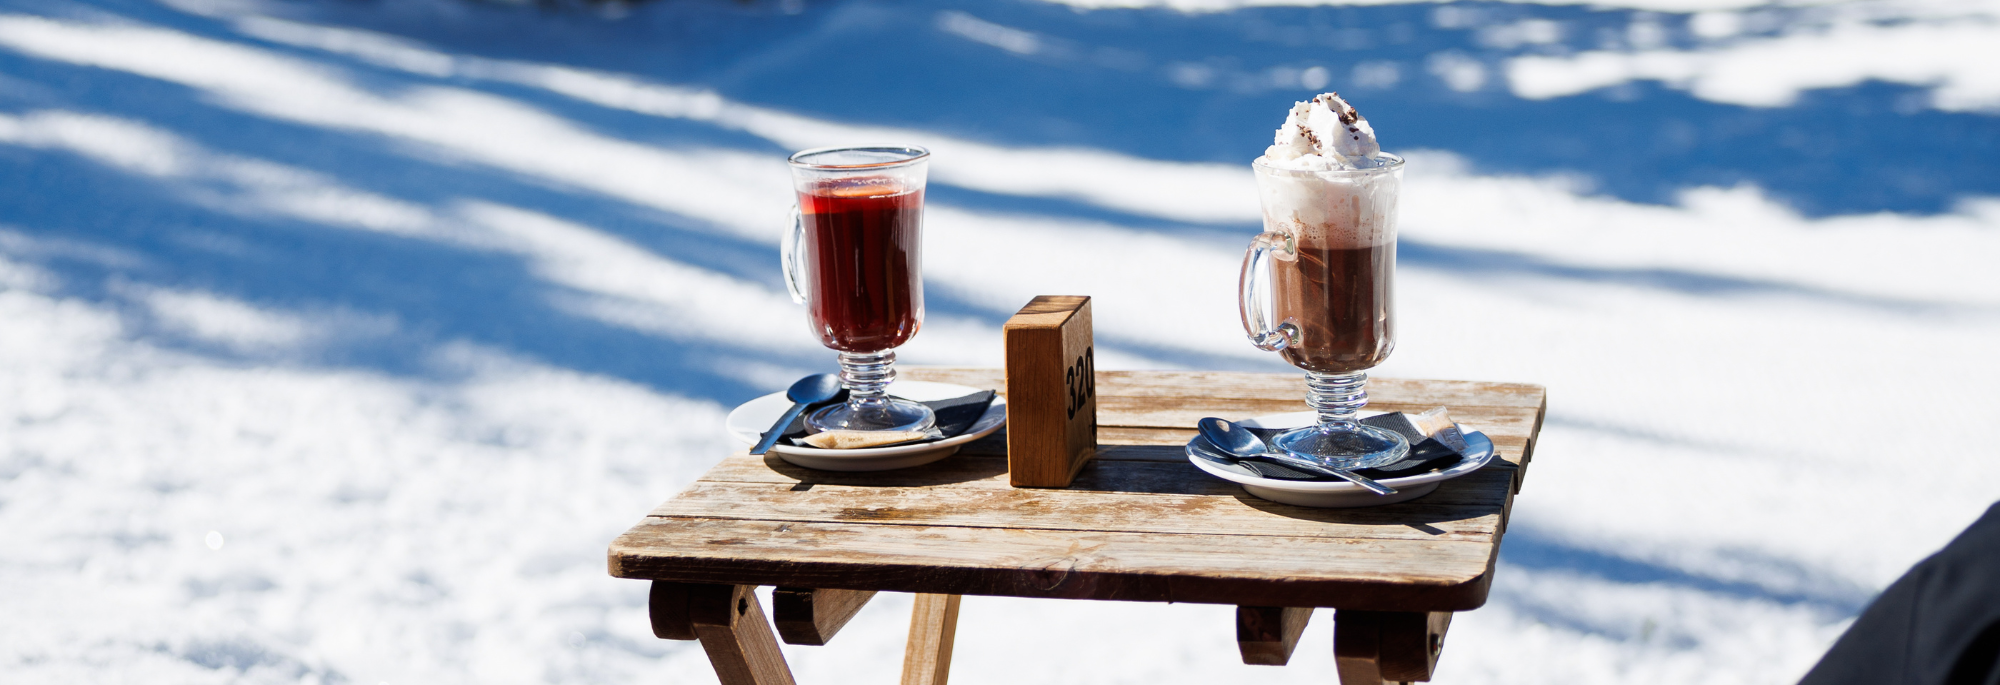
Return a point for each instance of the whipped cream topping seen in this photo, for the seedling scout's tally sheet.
(1324, 133)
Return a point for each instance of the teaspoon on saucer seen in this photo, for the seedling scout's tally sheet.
(808, 391)
(1239, 442)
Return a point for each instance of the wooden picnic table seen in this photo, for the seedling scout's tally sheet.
(1138, 524)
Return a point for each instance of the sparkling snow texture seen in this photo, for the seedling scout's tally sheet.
(338, 339)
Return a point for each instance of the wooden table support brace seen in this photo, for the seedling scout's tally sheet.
(1267, 635)
(1376, 647)
(811, 617)
(668, 607)
(933, 623)
(731, 626)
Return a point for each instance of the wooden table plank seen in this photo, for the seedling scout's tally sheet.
(1123, 412)
(1174, 477)
(1166, 445)
(1159, 407)
(1462, 510)
(1222, 385)
(1363, 573)
(1140, 523)
(1513, 431)
(1513, 449)
(1112, 441)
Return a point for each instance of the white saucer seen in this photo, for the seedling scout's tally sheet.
(1338, 493)
(749, 421)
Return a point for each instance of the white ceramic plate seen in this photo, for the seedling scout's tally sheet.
(749, 421)
(1337, 493)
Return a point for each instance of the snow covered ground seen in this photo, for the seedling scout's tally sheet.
(337, 340)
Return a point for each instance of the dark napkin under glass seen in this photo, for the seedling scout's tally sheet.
(1426, 454)
(955, 416)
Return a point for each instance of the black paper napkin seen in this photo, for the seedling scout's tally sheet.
(1426, 454)
(955, 416)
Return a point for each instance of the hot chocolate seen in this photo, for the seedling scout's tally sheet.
(1332, 276)
(1338, 301)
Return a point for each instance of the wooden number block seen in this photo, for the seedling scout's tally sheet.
(1267, 635)
(811, 617)
(1051, 392)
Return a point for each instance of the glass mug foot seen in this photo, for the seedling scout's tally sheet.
(1350, 446)
(886, 414)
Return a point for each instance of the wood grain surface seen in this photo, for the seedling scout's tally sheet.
(667, 606)
(1160, 407)
(731, 625)
(807, 616)
(1051, 377)
(933, 631)
(1137, 523)
(1266, 636)
(1375, 647)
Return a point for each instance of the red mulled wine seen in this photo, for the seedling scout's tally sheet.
(865, 290)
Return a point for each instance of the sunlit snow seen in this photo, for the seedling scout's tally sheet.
(337, 340)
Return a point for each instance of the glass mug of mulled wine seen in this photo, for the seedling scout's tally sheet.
(854, 257)
(1317, 288)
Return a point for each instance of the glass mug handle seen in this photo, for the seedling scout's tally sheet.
(791, 255)
(1256, 300)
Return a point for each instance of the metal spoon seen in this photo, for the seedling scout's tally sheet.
(1241, 443)
(811, 390)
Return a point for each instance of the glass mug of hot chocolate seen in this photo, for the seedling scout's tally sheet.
(1317, 286)
(854, 257)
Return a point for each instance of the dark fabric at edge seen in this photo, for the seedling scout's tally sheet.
(1937, 625)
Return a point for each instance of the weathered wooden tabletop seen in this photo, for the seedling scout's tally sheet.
(1139, 524)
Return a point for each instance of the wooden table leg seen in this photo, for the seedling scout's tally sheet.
(811, 617)
(1267, 635)
(933, 623)
(1376, 647)
(731, 625)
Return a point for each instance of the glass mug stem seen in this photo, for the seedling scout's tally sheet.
(867, 375)
(1337, 397)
